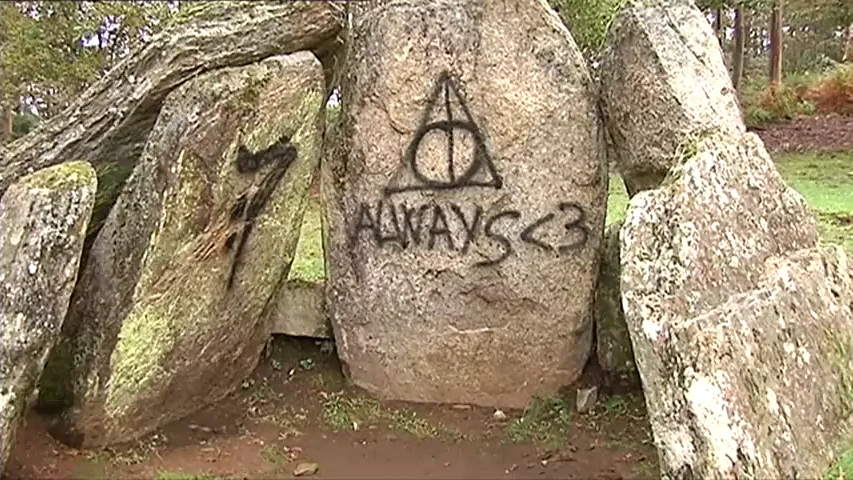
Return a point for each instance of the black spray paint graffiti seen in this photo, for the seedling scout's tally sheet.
(251, 202)
(430, 225)
(481, 170)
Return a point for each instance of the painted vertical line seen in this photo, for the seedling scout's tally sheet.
(449, 131)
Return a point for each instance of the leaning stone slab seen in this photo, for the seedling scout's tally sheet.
(663, 83)
(466, 207)
(761, 386)
(613, 342)
(299, 310)
(169, 312)
(109, 123)
(693, 243)
(43, 220)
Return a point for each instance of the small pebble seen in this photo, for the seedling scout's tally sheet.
(499, 415)
(586, 399)
(304, 469)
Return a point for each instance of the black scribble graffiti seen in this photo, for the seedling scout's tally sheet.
(410, 229)
(252, 202)
(470, 227)
(401, 226)
(439, 227)
(433, 226)
(397, 235)
(527, 233)
(576, 225)
(502, 240)
(480, 173)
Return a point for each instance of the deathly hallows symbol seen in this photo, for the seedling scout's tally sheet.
(468, 162)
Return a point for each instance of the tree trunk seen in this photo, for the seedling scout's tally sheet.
(748, 42)
(6, 117)
(719, 29)
(847, 53)
(740, 44)
(776, 44)
(109, 123)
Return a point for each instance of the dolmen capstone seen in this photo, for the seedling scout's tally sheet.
(43, 221)
(466, 204)
(168, 315)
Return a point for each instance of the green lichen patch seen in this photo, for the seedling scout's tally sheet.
(841, 350)
(64, 176)
(145, 339)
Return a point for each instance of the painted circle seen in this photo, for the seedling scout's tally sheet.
(447, 126)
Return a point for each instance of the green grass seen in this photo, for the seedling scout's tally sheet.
(826, 182)
(843, 468)
(544, 421)
(341, 412)
(308, 263)
(617, 200)
(616, 405)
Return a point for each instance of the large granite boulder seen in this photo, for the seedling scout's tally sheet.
(663, 84)
(466, 204)
(43, 220)
(168, 315)
(690, 245)
(761, 386)
(613, 342)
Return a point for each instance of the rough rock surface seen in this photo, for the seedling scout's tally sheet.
(690, 245)
(43, 220)
(168, 315)
(478, 145)
(613, 343)
(109, 123)
(299, 310)
(761, 386)
(663, 83)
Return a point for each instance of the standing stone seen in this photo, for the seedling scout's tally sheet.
(466, 207)
(762, 386)
(687, 247)
(43, 220)
(663, 84)
(613, 343)
(299, 310)
(169, 312)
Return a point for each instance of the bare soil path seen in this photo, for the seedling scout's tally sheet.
(296, 408)
(819, 133)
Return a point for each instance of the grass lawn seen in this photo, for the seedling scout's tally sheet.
(825, 180)
(308, 265)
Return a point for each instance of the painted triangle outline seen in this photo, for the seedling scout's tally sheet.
(482, 165)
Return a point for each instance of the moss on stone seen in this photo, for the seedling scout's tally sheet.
(64, 176)
(146, 337)
(841, 353)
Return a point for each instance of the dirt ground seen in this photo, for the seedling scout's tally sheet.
(820, 133)
(297, 409)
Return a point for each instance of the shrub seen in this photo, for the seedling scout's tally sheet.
(833, 92)
(766, 104)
